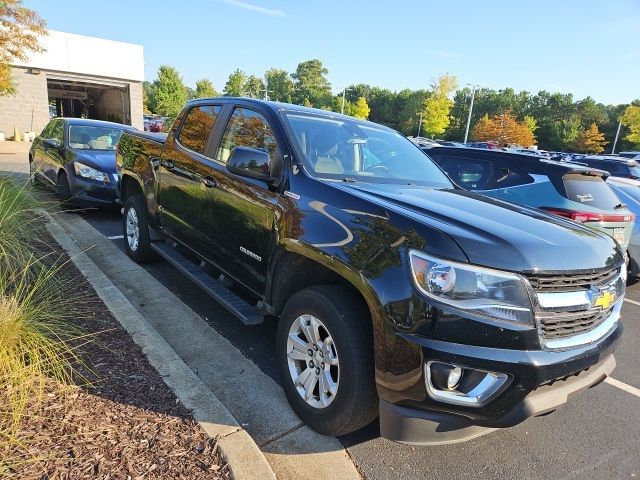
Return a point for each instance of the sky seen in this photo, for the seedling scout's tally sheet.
(587, 48)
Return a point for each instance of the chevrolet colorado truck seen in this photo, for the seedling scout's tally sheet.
(397, 293)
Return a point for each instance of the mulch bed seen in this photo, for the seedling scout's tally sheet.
(120, 421)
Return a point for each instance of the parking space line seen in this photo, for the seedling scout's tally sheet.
(631, 301)
(115, 237)
(623, 386)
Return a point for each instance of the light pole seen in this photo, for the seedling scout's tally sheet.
(473, 96)
(613, 149)
(343, 92)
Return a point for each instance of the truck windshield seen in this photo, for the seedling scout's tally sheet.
(345, 149)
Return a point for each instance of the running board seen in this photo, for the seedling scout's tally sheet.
(242, 310)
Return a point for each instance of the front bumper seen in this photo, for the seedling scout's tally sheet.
(91, 193)
(407, 425)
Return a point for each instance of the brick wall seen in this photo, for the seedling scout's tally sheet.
(135, 94)
(30, 98)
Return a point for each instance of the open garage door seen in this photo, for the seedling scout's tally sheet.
(98, 101)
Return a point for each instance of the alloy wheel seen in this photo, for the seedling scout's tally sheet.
(313, 361)
(133, 229)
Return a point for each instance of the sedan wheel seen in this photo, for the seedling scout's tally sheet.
(313, 361)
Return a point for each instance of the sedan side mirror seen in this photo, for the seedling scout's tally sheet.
(251, 163)
(50, 143)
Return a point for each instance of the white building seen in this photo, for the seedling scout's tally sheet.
(76, 76)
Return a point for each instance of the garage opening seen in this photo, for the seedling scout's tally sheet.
(77, 99)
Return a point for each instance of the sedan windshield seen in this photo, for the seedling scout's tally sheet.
(85, 137)
(350, 150)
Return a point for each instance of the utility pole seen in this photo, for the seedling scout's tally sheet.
(613, 149)
(473, 95)
(419, 126)
(266, 92)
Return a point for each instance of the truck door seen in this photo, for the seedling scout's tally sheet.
(241, 231)
(182, 176)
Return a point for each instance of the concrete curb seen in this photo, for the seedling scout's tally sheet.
(246, 461)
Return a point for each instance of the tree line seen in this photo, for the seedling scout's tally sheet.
(553, 121)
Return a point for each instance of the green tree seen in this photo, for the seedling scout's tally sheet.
(360, 108)
(235, 85)
(168, 92)
(254, 87)
(311, 84)
(205, 89)
(631, 119)
(279, 84)
(435, 115)
(146, 96)
(20, 29)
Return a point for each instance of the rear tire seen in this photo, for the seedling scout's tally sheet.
(343, 332)
(135, 227)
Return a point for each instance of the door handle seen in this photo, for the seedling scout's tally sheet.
(168, 164)
(209, 182)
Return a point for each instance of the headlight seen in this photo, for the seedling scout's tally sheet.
(89, 172)
(480, 291)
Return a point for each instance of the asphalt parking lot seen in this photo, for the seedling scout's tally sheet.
(594, 436)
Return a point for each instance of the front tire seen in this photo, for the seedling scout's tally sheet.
(135, 226)
(63, 190)
(324, 350)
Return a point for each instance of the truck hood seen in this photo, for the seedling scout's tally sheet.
(102, 160)
(495, 233)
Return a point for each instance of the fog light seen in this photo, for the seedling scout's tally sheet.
(462, 385)
(454, 378)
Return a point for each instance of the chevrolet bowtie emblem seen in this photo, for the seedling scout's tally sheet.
(604, 300)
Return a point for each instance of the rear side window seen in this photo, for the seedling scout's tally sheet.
(246, 128)
(470, 174)
(589, 190)
(197, 126)
(510, 176)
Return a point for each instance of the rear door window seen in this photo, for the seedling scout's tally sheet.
(197, 127)
(589, 190)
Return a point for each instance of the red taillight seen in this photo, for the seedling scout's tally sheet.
(584, 217)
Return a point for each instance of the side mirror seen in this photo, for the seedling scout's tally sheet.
(51, 143)
(250, 163)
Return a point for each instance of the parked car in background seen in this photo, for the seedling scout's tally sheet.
(532, 151)
(632, 155)
(484, 145)
(628, 191)
(569, 190)
(616, 166)
(450, 143)
(423, 142)
(77, 157)
(445, 312)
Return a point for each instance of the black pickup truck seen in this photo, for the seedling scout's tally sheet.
(396, 293)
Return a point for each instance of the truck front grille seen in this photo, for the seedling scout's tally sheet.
(574, 309)
(558, 325)
(565, 283)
